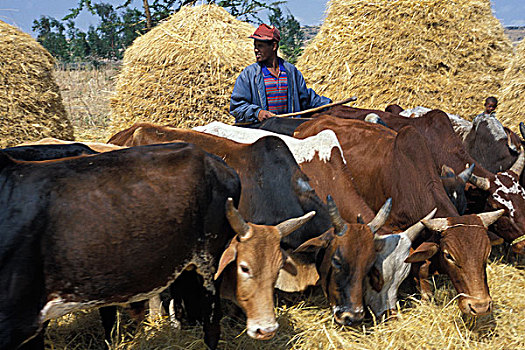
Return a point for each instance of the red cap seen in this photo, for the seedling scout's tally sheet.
(265, 32)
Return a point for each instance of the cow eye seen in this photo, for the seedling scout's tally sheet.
(336, 262)
(244, 268)
(449, 257)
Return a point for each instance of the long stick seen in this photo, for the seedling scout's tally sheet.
(311, 110)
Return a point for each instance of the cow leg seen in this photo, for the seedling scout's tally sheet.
(108, 315)
(187, 288)
(424, 284)
(212, 315)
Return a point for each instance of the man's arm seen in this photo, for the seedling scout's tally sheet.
(242, 105)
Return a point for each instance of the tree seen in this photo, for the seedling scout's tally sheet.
(50, 34)
(292, 36)
(78, 45)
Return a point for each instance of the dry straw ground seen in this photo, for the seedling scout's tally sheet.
(512, 94)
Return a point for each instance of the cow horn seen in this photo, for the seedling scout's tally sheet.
(518, 165)
(335, 217)
(415, 229)
(439, 224)
(465, 174)
(381, 216)
(490, 217)
(480, 182)
(236, 221)
(510, 145)
(522, 129)
(290, 225)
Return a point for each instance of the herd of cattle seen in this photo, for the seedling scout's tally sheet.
(223, 211)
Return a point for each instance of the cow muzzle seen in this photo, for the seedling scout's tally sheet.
(262, 331)
(476, 306)
(346, 316)
(519, 247)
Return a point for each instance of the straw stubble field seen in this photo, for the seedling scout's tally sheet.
(305, 319)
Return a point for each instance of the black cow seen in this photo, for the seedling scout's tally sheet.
(108, 229)
(48, 152)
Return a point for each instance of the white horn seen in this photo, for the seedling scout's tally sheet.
(517, 167)
(439, 224)
(490, 217)
(290, 225)
(480, 182)
(381, 216)
(415, 229)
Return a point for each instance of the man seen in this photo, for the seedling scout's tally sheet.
(271, 86)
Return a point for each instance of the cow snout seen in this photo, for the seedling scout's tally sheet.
(476, 307)
(263, 333)
(347, 317)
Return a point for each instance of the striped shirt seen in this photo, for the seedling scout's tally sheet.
(276, 90)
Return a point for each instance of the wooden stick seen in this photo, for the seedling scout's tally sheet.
(311, 110)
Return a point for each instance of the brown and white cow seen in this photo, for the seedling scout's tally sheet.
(447, 148)
(385, 164)
(320, 157)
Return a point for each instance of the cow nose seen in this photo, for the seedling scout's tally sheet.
(346, 318)
(265, 333)
(480, 308)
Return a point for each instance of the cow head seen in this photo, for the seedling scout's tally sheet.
(345, 255)
(506, 193)
(390, 268)
(256, 251)
(455, 186)
(462, 251)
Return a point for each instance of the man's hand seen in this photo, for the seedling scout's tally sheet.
(263, 115)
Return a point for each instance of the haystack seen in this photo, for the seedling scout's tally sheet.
(183, 71)
(434, 53)
(511, 110)
(30, 103)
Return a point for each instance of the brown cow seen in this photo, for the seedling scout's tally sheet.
(400, 166)
(502, 188)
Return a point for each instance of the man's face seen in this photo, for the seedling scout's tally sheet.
(264, 50)
(490, 106)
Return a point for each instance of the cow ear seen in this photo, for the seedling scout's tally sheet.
(494, 238)
(229, 255)
(376, 279)
(424, 252)
(314, 244)
(289, 266)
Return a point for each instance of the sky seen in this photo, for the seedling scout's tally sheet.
(21, 13)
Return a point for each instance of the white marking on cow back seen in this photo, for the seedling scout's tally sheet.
(495, 127)
(303, 150)
(515, 189)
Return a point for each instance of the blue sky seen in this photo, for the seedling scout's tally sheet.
(309, 12)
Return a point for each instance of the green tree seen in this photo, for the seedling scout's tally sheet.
(50, 34)
(292, 36)
(77, 40)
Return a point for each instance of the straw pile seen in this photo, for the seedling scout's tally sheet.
(511, 110)
(448, 54)
(30, 103)
(182, 72)
(306, 323)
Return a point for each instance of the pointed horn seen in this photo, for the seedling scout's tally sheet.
(236, 221)
(439, 225)
(335, 217)
(480, 182)
(510, 145)
(290, 225)
(415, 229)
(522, 129)
(518, 165)
(465, 174)
(490, 217)
(381, 217)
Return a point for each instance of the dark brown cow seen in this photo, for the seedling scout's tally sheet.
(503, 188)
(400, 166)
(127, 238)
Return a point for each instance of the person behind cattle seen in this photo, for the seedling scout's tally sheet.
(271, 86)
(491, 103)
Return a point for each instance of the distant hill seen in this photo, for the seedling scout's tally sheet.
(516, 34)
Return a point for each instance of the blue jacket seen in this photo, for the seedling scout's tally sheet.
(249, 93)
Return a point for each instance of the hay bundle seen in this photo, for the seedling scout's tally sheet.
(182, 72)
(30, 103)
(434, 53)
(512, 94)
